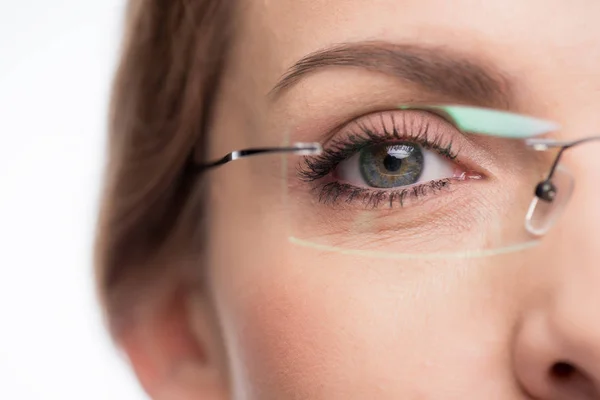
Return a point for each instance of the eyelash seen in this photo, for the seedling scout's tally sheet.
(316, 168)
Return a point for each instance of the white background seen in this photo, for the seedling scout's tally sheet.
(56, 61)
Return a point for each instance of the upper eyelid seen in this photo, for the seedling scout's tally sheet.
(352, 141)
(392, 128)
(380, 115)
(470, 150)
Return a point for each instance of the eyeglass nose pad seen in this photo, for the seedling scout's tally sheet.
(546, 191)
(551, 198)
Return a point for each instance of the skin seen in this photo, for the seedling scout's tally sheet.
(278, 320)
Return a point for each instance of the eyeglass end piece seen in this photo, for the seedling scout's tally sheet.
(541, 144)
(308, 149)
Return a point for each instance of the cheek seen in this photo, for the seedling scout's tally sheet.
(335, 326)
(292, 339)
(306, 334)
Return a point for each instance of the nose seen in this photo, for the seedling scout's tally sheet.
(557, 351)
(557, 344)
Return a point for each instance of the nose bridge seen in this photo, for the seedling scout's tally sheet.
(576, 257)
(575, 239)
(580, 223)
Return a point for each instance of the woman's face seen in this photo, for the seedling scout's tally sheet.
(313, 287)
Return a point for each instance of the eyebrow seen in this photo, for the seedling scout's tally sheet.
(435, 69)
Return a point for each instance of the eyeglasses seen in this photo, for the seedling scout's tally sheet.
(394, 184)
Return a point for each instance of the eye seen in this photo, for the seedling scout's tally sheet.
(395, 165)
(389, 158)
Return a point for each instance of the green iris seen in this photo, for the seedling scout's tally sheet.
(389, 166)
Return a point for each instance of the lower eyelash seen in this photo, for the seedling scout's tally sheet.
(336, 192)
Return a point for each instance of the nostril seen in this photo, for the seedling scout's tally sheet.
(563, 371)
(573, 380)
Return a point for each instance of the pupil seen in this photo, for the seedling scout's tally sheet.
(391, 163)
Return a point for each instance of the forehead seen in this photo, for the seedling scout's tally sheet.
(552, 62)
(280, 32)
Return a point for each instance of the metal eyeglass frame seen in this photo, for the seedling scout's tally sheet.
(544, 209)
(545, 191)
(299, 149)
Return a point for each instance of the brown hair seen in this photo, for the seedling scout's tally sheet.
(171, 62)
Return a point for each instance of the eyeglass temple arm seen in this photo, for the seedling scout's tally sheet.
(300, 149)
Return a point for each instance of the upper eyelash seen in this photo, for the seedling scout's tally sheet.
(315, 168)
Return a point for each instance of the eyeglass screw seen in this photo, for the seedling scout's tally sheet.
(546, 191)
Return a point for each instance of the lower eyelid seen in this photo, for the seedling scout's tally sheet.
(342, 196)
